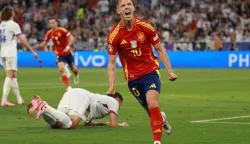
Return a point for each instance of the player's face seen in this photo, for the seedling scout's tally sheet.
(126, 9)
(52, 24)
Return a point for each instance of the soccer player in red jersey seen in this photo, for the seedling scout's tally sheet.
(133, 39)
(62, 40)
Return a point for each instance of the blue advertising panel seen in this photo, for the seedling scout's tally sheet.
(178, 59)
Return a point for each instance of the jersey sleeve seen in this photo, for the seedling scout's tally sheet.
(112, 49)
(113, 106)
(151, 33)
(65, 32)
(47, 38)
(16, 29)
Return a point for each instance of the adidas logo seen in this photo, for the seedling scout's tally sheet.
(157, 131)
(123, 42)
(152, 86)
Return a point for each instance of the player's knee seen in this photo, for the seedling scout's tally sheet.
(75, 121)
(152, 104)
(11, 74)
(74, 124)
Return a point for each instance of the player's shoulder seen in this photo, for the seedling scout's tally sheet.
(114, 32)
(62, 29)
(144, 24)
(49, 31)
(10, 23)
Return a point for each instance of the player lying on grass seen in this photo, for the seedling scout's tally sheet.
(79, 104)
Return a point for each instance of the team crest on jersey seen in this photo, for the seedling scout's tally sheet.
(133, 43)
(140, 37)
(111, 48)
(56, 38)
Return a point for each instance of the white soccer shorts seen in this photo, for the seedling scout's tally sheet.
(74, 103)
(9, 63)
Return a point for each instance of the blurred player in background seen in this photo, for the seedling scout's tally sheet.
(62, 40)
(79, 104)
(9, 33)
(133, 40)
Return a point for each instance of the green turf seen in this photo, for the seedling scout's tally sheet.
(199, 94)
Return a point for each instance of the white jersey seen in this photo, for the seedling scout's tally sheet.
(89, 106)
(8, 32)
(101, 105)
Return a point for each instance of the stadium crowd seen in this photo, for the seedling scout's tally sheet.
(182, 25)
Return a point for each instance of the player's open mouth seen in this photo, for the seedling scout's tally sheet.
(127, 13)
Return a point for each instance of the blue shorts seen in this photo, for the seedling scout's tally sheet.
(142, 85)
(69, 59)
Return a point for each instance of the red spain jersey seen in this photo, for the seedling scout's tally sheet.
(134, 48)
(60, 40)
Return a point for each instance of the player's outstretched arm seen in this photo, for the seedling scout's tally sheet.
(165, 60)
(26, 44)
(41, 45)
(113, 121)
(124, 124)
(71, 40)
(111, 74)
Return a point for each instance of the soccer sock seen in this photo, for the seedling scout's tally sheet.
(65, 80)
(49, 119)
(156, 123)
(6, 88)
(15, 87)
(60, 116)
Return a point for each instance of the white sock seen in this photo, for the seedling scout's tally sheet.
(60, 116)
(49, 119)
(15, 87)
(67, 72)
(6, 88)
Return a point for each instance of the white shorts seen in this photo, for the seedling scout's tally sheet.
(75, 102)
(9, 63)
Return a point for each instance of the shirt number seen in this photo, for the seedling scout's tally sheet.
(136, 52)
(2, 36)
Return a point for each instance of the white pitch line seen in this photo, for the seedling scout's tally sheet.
(124, 83)
(219, 119)
(236, 123)
(36, 85)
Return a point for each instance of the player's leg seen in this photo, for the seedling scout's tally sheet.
(70, 62)
(67, 72)
(7, 83)
(15, 87)
(44, 108)
(152, 85)
(61, 64)
(75, 118)
(53, 123)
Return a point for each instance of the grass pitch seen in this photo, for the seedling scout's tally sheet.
(216, 98)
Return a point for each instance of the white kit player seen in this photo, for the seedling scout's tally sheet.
(9, 33)
(79, 104)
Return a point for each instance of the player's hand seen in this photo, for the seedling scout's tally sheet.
(111, 91)
(35, 55)
(172, 76)
(124, 124)
(65, 50)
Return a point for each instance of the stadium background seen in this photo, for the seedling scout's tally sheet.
(204, 106)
